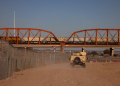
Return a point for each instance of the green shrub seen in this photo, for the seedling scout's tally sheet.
(106, 51)
(115, 55)
(94, 53)
(88, 53)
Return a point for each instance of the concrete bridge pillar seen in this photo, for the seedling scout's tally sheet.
(25, 50)
(54, 49)
(119, 38)
(111, 51)
(83, 49)
(62, 48)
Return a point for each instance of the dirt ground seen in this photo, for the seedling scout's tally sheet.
(95, 74)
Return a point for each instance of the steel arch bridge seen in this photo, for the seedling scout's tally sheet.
(31, 36)
(94, 37)
(28, 36)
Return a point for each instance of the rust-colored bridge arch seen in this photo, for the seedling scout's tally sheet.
(28, 36)
(31, 36)
(94, 37)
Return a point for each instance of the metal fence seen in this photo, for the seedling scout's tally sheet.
(14, 59)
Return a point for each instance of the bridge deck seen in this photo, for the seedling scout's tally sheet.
(67, 46)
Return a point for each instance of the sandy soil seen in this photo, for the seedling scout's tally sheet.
(95, 74)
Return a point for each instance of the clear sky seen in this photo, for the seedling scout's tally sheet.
(62, 17)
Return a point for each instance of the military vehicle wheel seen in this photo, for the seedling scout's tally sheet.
(77, 60)
(84, 65)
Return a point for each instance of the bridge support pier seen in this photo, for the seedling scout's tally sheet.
(54, 49)
(111, 51)
(62, 48)
(119, 38)
(83, 49)
(25, 50)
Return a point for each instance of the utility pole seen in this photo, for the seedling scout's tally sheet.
(14, 23)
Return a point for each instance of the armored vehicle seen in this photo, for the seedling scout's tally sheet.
(78, 59)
